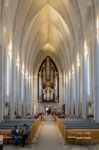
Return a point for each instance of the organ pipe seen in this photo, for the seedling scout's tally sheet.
(48, 81)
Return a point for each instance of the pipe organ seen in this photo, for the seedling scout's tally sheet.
(48, 82)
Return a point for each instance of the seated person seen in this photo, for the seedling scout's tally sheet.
(25, 134)
(15, 135)
(62, 116)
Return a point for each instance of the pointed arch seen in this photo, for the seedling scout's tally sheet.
(48, 82)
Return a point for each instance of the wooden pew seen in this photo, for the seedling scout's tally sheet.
(78, 130)
(6, 128)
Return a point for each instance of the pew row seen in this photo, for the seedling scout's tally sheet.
(6, 128)
(78, 130)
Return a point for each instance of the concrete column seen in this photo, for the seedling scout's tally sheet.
(96, 102)
(85, 88)
(5, 96)
(35, 96)
(69, 96)
(16, 88)
(19, 92)
(1, 60)
(11, 87)
(23, 95)
(65, 94)
(24, 98)
(74, 91)
(66, 102)
(30, 96)
(29, 100)
(72, 94)
(27, 94)
(96, 61)
(64, 89)
(77, 74)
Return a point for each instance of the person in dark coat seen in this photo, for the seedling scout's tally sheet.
(15, 135)
(25, 134)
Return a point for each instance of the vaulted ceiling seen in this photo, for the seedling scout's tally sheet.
(39, 28)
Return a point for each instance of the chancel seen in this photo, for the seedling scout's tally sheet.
(49, 74)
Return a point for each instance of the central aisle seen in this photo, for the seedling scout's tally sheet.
(49, 137)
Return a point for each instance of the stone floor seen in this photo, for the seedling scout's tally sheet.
(48, 138)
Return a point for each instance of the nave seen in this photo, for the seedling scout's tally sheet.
(48, 137)
(49, 63)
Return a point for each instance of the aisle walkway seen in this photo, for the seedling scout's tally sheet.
(49, 138)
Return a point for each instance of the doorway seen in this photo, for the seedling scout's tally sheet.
(48, 110)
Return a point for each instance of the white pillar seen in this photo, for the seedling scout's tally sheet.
(1, 60)
(69, 96)
(66, 103)
(24, 97)
(72, 90)
(11, 88)
(27, 94)
(85, 90)
(77, 91)
(96, 64)
(19, 92)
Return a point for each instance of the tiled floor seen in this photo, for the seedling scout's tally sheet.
(49, 138)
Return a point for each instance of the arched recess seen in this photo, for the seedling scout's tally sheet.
(48, 82)
(36, 66)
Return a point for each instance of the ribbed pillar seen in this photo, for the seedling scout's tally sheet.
(69, 96)
(72, 98)
(60, 90)
(30, 96)
(5, 97)
(64, 91)
(96, 64)
(19, 93)
(66, 103)
(16, 88)
(11, 88)
(77, 91)
(84, 107)
(1, 60)
(24, 95)
(32, 102)
(35, 101)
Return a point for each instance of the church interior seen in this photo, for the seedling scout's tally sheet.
(49, 73)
